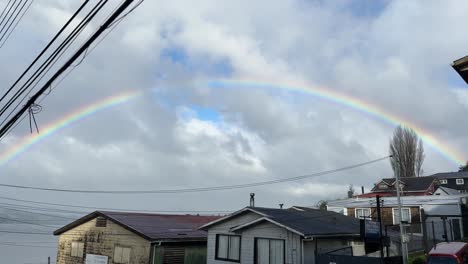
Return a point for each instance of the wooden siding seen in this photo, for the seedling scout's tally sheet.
(102, 241)
(223, 228)
(387, 214)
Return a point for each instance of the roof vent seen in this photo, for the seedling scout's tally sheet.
(101, 222)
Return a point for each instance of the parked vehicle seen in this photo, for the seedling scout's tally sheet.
(448, 253)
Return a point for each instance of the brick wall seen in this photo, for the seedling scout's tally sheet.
(102, 241)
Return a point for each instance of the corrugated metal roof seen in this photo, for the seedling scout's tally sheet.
(152, 226)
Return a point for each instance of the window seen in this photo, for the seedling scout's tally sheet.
(228, 247)
(77, 249)
(460, 182)
(383, 186)
(443, 181)
(269, 251)
(122, 254)
(363, 213)
(405, 215)
(101, 222)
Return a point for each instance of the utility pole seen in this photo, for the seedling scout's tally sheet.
(48, 260)
(379, 219)
(402, 231)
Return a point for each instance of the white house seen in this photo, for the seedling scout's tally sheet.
(442, 203)
(266, 235)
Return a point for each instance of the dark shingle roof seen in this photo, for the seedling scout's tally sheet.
(312, 222)
(412, 184)
(152, 226)
(451, 175)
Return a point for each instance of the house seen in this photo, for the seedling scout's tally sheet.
(413, 186)
(445, 191)
(136, 238)
(454, 207)
(266, 235)
(453, 180)
(461, 66)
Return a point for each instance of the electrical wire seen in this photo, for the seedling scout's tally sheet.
(11, 121)
(116, 209)
(37, 76)
(13, 21)
(14, 27)
(15, 16)
(200, 189)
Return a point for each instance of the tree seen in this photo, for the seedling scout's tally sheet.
(322, 205)
(407, 151)
(350, 191)
(463, 167)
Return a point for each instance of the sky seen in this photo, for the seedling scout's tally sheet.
(183, 132)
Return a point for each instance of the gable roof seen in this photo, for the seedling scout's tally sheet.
(448, 191)
(152, 226)
(461, 66)
(451, 175)
(412, 184)
(304, 221)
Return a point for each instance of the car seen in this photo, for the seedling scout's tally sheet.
(448, 253)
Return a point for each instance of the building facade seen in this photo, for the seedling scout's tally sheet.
(266, 235)
(124, 238)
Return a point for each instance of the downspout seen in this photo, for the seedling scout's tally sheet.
(302, 250)
(153, 251)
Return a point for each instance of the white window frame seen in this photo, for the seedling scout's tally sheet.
(119, 256)
(443, 181)
(77, 248)
(367, 209)
(460, 181)
(395, 221)
(229, 249)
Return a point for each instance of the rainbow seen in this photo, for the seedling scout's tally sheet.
(349, 101)
(316, 91)
(78, 114)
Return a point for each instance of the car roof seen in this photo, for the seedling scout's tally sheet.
(447, 248)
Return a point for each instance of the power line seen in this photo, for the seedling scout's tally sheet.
(11, 121)
(200, 189)
(7, 31)
(17, 22)
(43, 69)
(115, 209)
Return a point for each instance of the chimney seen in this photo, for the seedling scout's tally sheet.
(252, 199)
(281, 205)
(362, 189)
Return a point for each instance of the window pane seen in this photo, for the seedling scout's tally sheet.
(263, 251)
(222, 246)
(276, 251)
(405, 214)
(234, 245)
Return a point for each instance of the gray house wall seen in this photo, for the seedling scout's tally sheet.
(223, 228)
(297, 250)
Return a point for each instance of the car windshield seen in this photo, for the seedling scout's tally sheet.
(441, 260)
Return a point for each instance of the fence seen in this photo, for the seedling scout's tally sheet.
(421, 237)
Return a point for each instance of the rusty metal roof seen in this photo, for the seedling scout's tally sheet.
(152, 227)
